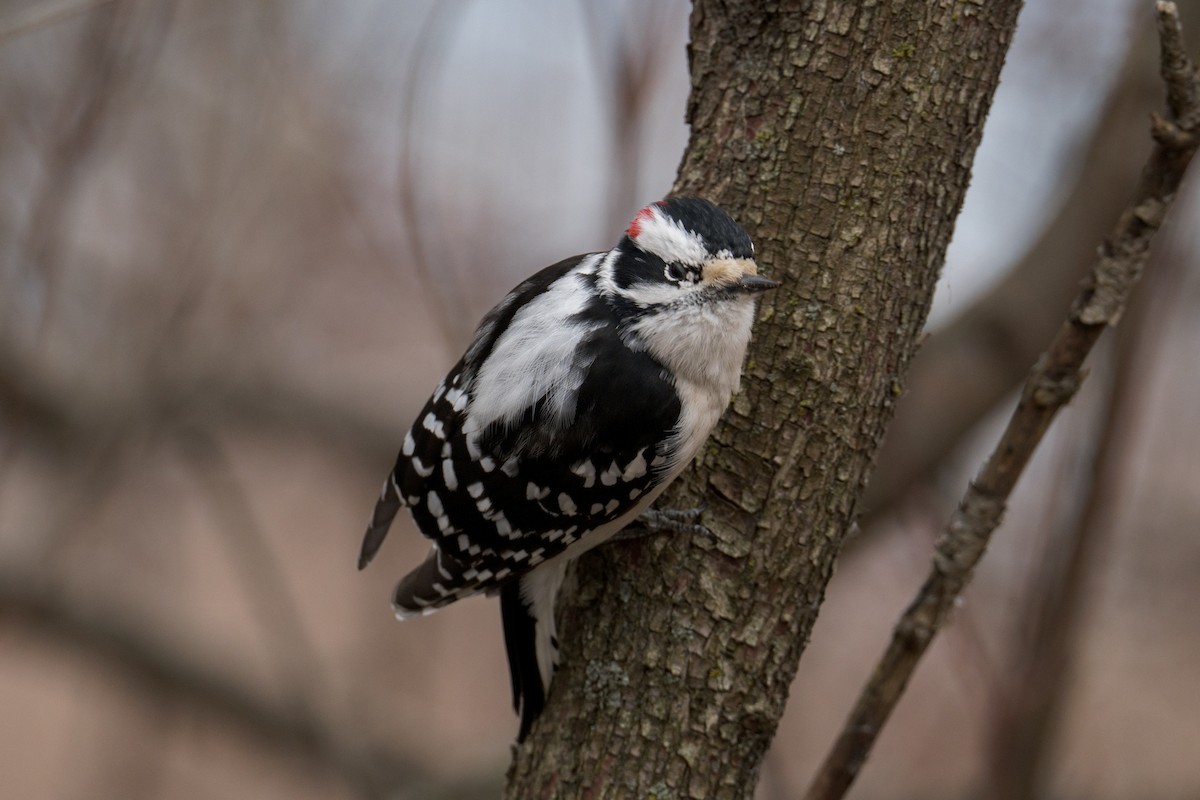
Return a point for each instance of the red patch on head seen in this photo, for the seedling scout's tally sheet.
(635, 227)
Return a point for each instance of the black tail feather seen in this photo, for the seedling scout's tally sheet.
(520, 640)
(386, 508)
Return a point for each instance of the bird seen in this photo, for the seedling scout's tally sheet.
(583, 393)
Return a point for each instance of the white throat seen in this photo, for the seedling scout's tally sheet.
(703, 346)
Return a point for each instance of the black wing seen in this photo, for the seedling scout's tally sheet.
(494, 323)
(505, 499)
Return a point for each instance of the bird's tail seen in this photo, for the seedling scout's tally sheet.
(527, 610)
(438, 582)
(529, 696)
(386, 508)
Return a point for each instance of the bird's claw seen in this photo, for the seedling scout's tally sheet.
(665, 520)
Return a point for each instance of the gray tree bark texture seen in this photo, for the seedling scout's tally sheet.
(841, 135)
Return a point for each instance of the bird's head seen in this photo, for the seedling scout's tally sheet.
(679, 253)
(683, 279)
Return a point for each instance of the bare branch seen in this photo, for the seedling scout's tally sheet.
(1054, 380)
(1031, 702)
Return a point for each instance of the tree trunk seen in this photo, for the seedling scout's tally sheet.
(840, 134)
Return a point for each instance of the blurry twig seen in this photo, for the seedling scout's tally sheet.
(88, 474)
(43, 14)
(154, 667)
(294, 653)
(102, 74)
(628, 67)
(429, 40)
(281, 70)
(279, 619)
(111, 62)
(1032, 702)
(1054, 380)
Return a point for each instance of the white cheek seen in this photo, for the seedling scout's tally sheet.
(704, 344)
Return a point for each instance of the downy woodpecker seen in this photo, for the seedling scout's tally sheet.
(584, 393)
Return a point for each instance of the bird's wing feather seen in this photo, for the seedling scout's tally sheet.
(502, 499)
(500, 504)
(411, 473)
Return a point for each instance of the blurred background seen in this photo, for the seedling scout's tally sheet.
(241, 242)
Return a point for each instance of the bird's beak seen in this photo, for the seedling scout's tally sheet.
(755, 283)
(736, 275)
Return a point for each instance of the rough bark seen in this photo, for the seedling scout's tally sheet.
(841, 135)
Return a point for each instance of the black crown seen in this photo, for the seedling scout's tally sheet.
(717, 228)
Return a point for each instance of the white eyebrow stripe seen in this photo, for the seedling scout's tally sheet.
(670, 241)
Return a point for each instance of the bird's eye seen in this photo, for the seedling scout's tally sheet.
(676, 272)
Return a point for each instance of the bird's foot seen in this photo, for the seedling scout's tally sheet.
(665, 520)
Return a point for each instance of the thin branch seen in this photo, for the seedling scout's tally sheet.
(1054, 380)
(1033, 701)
